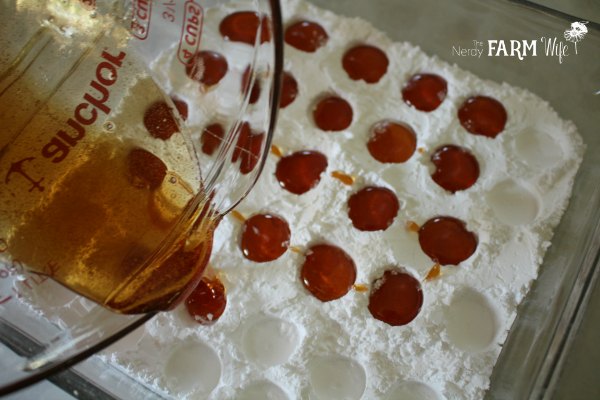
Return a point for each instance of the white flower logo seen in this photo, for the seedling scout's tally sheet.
(576, 32)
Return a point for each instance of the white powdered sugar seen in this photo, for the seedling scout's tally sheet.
(277, 341)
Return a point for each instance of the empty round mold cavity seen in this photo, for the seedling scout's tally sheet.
(193, 368)
(270, 341)
(336, 377)
(262, 390)
(471, 321)
(537, 149)
(512, 203)
(413, 390)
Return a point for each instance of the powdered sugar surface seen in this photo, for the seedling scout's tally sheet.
(492, 282)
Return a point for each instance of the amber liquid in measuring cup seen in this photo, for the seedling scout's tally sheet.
(98, 191)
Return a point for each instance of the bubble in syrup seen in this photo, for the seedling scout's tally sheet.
(336, 377)
(168, 201)
(455, 168)
(270, 341)
(365, 62)
(265, 237)
(193, 368)
(482, 115)
(413, 390)
(109, 126)
(425, 92)
(471, 321)
(207, 67)
(392, 142)
(332, 113)
(446, 240)
(512, 203)
(301, 171)
(262, 390)
(307, 36)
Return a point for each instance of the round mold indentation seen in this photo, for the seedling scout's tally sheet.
(537, 149)
(261, 390)
(336, 377)
(193, 368)
(270, 341)
(413, 390)
(471, 321)
(512, 203)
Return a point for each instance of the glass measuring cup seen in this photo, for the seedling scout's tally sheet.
(106, 188)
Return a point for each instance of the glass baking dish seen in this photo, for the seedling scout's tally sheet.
(533, 353)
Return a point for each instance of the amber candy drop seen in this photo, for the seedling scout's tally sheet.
(211, 138)
(207, 67)
(425, 92)
(396, 298)
(242, 26)
(446, 240)
(265, 237)
(455, 168)
(343, 177)
(373, 208)
(159, 121)
(182, 107)
(482, 115)
(328, 272)
(332, 113)
(251, 156)
(392, 142)
(244, 133)
(289, 90)
(301, 171)
(364, 62)
(207, 301)
(248, 148)
(306, 36)
(255, 91)
(145, 170)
